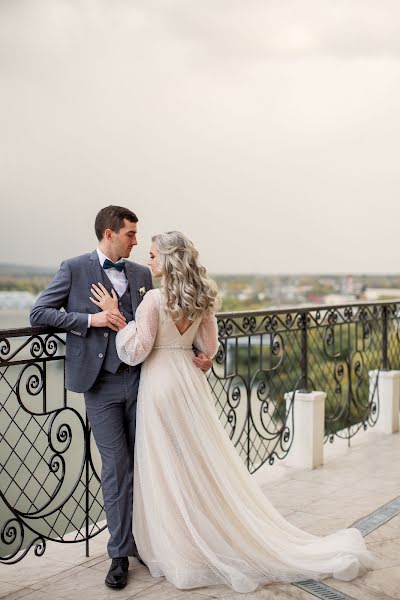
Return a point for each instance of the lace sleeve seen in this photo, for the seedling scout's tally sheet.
(206, 338)
(135, 341)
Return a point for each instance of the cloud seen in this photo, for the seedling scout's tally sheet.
(227, 30)
(259, 126)
(286, 29)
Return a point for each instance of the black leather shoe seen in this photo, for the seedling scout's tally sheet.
(117, 576)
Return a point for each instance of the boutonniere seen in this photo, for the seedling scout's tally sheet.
(142, 291)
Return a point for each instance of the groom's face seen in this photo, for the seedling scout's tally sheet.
(125, 239)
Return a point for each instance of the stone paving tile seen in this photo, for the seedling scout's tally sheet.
(376, 482)
(98, 560)
(22, 593)
(71, 572)
(349, 510)
(74, 554)
(333, 477)
(297, 495)
(381, 561)
(389, 548)
(300, 492)
(222, 591)
(90, 585)
(166, 591)
(295, 592)
(35, 595)
(317, 524)
(34, 569)
(102, 563)
(385, 583)
(268, 593)
(7, 588)
(357, 591)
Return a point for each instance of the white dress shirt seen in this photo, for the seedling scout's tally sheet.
(117, 278)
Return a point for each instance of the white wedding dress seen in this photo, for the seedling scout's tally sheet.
(199, 517)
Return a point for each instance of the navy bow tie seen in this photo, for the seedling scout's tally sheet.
(109, 264)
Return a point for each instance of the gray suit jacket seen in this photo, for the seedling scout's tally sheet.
(70, 290)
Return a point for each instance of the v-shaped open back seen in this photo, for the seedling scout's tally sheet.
(185, 329)
(169, 332)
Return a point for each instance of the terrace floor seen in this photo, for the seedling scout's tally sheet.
(353, 483)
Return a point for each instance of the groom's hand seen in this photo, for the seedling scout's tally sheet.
(108, 318)
(203, 362)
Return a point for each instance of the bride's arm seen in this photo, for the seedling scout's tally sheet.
(206, 338)
(135, 341)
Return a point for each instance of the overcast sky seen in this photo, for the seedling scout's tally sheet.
(267, 130)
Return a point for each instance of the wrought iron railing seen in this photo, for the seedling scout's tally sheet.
(49, 465)
(265, 355)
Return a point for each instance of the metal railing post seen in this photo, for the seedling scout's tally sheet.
(304, 387)
(385, 361)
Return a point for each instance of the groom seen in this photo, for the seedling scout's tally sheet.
(92, 366)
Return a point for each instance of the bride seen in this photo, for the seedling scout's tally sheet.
(199, 516)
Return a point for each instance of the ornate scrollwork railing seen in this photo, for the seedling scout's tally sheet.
(49, 468)
(49, 465)
(265, 355)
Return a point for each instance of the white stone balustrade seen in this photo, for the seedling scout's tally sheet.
(387, 389)
(307, 451)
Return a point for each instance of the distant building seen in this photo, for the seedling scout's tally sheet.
(315, 299)
(372, 294)
(339, 298)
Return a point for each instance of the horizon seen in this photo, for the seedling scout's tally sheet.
(238, 274)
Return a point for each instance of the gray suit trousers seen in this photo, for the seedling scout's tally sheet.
(111, 408)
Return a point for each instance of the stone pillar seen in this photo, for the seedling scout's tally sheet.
(387, 389)
(307, 450)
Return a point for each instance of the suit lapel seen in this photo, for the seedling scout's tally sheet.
(130, 272)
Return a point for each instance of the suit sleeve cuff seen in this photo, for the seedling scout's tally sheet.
(82, 324)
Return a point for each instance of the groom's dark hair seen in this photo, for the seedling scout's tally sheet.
(112, 217)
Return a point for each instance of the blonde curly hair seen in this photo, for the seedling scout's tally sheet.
(188, 290)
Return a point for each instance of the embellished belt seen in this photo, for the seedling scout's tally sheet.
(172, 347)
